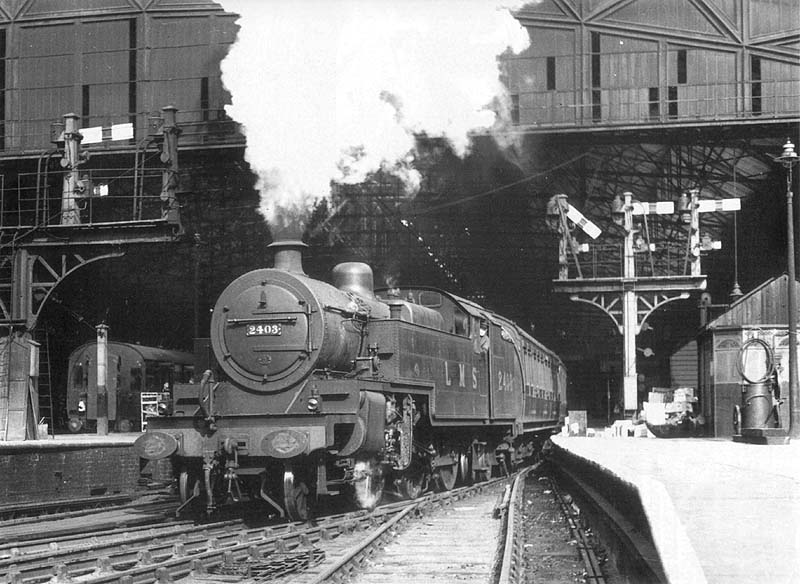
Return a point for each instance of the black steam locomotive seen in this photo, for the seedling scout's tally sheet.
(333, 388)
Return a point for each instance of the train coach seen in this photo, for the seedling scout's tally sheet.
(337, 388)
(131, 370)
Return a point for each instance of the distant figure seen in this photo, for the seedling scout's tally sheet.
(481, 342)
(776, 392)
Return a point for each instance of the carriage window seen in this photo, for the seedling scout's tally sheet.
(136, 378)
(430, 299)
(119, 372)
(182, 373)
(77, 376)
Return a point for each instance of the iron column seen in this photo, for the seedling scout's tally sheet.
(788, 159)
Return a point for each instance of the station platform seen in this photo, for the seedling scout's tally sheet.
(72, 466)
(718, 512)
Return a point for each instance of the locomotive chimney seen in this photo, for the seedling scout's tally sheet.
(288, 255)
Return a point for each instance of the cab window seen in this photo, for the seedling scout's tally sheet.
(430, 299)
(460, 323)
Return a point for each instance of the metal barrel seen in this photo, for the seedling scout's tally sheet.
(757, 408)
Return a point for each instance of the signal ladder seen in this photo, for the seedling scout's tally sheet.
(46, 414)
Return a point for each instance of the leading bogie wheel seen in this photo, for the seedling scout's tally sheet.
(368, 483)
(189, 485)
(411, 485)
(295, 495)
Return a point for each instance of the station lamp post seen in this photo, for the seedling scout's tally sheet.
(788, 159)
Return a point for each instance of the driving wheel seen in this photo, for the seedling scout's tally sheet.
(463, 468)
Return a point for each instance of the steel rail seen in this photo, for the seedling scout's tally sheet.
(173, 552)
(345, 565)
(30, 512)
(159, 559)
(44, 527)
(594, 571)
(617, 530)
(360, 548)
(511, 569)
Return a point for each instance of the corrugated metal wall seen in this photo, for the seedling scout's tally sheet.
(767, 304)
(666, 61)
(683, 366)
(113, 63)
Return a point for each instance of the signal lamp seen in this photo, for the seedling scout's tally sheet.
(685, 208)
(618, 210)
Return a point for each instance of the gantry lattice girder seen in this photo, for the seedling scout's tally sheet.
(653, 168)
(630, 65)
(726, 29)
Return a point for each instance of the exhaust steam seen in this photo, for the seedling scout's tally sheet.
(332, 90)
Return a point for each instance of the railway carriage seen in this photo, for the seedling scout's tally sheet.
(131, 370)
(331, 388)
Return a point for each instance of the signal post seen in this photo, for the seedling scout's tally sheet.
(629, 299)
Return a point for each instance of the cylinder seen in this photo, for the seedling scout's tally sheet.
(757, 408)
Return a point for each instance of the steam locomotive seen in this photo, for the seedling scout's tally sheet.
(327, 389)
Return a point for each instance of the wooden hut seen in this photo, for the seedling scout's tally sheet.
(762, 314)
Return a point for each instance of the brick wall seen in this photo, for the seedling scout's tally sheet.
(67, 472)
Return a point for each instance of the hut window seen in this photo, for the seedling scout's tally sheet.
(726, 356)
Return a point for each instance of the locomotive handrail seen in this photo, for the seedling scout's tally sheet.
(285, 319)
(205, 382)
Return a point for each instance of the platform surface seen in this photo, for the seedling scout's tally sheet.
(732, 510)
(72, 441)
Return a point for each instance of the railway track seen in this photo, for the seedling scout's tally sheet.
(630, 546)
(214, 552)
(468, 534)
(76, 523)
(18, 513)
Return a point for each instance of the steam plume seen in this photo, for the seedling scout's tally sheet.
(331, 90)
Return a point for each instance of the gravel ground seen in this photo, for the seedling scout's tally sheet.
(551, 555)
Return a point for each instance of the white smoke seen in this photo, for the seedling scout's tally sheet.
(335, 89)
